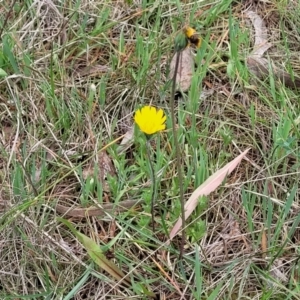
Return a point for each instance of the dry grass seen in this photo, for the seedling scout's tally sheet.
(76, 72)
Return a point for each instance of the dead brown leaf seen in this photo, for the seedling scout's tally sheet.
(264, 243)
(95, 211)
(185, 69)
(94, 70)
(208, 186)
(261, 44)
(258, 65)
(277, 271)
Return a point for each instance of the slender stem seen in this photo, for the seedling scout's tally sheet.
(178, 152)
(153, 183)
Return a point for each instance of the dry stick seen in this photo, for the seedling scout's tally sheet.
(177, 150)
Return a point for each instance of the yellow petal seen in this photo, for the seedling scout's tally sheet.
(189, 31)
(137, 116)
(152, 112)
(161, 127)
(160, 113)
(163, 120)
(145, 110)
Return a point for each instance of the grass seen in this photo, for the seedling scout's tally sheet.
(72, 75)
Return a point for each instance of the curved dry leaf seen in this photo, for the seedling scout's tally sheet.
(211, 184)
(261, 44)
(258, 65)
(185, 69)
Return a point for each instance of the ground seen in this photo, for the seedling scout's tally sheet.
(74, 166)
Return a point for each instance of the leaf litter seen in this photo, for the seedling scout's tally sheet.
(185, 69)
(211, 184)
(256, 63)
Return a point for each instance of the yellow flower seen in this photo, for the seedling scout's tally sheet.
(192, 36)
(150, 120)
(189, 31)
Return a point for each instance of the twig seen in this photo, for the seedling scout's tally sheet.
(177, 150)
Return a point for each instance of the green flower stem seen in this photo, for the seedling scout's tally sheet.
(177, 150)
(153, 183)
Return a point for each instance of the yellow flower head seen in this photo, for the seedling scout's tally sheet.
(192, 36)
(150, 120)
(189, 31)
